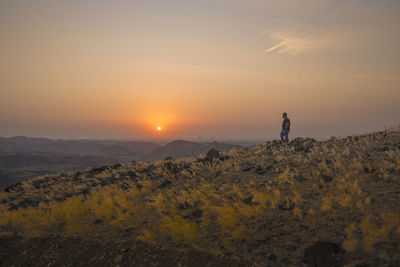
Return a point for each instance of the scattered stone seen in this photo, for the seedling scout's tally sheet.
(171, 167)
(98, 170)
(97, 221)
(247, 167)
(260, 170)
(272, 257)
(248, 200)
(286, 205)
(326, 178)
(184, 205)
(298, 140)
(132, 174)
(269, 167)
(117, 166)
(369, 170)
(211, 155)
(77, 174)
(15, 187)
(300, 178)
(163, 184)
(197, 214)
(224, 157)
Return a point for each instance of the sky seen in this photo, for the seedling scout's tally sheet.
(202, 70)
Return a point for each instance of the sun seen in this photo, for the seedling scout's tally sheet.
(159, 128)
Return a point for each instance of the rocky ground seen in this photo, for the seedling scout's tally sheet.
(305, 203)
(53, 251)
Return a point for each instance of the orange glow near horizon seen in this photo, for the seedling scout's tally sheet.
(157, 121)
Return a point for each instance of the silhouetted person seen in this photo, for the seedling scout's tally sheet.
(285, 128)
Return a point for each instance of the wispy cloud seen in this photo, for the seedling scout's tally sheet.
(294, 42)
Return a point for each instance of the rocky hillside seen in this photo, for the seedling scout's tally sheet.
(23, 157)
(305, 203)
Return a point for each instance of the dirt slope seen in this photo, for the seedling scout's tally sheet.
(330, 203)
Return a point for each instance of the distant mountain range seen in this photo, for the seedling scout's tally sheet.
(23, 157)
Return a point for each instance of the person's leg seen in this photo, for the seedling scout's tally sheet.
(287, 136)
(282, 134)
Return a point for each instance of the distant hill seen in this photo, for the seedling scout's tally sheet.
(23, 157)
(22, 144)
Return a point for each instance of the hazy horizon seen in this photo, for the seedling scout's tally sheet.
(222, 70)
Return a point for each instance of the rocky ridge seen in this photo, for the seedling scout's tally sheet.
(334, 202)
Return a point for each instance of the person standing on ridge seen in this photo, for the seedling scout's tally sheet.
(285, 128)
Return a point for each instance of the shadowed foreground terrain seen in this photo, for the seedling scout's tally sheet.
(306, 203)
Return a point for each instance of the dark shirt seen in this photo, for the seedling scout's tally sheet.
(285, 122)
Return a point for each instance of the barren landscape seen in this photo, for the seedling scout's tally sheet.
(305, 203)
(23, 157)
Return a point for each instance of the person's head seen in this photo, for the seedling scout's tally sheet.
(284, 115)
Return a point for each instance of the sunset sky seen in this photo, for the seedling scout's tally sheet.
(222, 69)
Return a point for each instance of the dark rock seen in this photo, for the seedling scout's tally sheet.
(224, 157)
(298, 140)
(369, 170)
(272, 257)
(326, 178)
(26, 202)
(197, 214)
(169, 158)
(171, 167)
(247, 167)
(138, 185)
(163, 184)
(307, 149)
(248, 200)
(323, 253)
(132, 174)
(77, 174)
(286, 205)
(300, 178)
(269, 167)
(117, 166)
(15, 187)
(98, 221)
(147, 170)
(260, 170)
(187, 165)
(98, 170)
(37, 184)
(212, 154)
(183, 206)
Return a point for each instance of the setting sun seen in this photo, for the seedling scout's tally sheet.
(159, 128)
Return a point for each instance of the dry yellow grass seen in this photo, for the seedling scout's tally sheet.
(342, 189)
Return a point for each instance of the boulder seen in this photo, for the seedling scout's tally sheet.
(212, 154)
